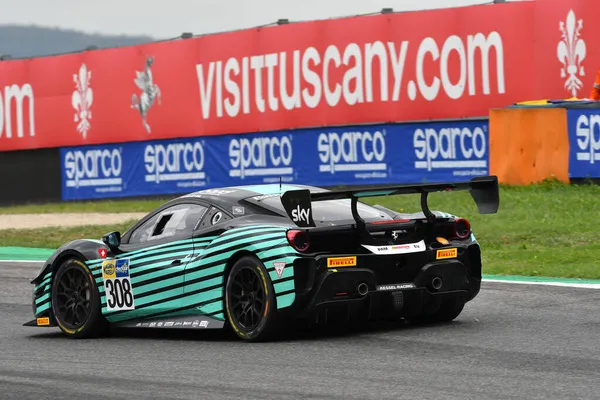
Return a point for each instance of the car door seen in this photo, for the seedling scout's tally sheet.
(204, 276)
(156, 254)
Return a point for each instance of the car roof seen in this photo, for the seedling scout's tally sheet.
(233, 194)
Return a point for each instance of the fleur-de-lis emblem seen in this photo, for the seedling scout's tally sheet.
(571, 53)
(82, 99)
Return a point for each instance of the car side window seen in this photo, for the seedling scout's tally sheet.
(178, 220)
(213, 216)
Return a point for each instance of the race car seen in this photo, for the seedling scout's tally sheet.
(248, 258)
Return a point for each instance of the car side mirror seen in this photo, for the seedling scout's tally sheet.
(112, 240)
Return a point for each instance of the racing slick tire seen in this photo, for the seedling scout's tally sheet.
(448, 311)
(250, 300)
(76, 301)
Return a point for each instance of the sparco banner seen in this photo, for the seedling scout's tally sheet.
(351, 155)
(438, 64)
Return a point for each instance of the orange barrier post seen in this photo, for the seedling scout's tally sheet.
(529, 145)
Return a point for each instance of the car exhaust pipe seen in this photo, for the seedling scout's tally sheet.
(436, 283)
(362, 289)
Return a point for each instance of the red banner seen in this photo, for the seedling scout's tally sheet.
(449, 63)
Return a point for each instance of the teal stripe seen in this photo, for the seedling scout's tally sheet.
(219, 316)
(42, 308)
(285, 300)
(204, 284)
(227, 240)
(288, 272)
(212, 307)
(274, 240)
(42, 298)
(45, 281)
(200, 274)
(159, 285)
(284, 286)
(220, 257)
(249, 228)
(139, 280)
(278, 251)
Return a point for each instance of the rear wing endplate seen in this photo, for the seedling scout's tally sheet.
(483, 190)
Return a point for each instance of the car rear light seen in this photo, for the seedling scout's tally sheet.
(390, 221)
(462, 228)
(298, 240)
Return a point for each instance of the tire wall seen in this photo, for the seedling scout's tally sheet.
(30, 176)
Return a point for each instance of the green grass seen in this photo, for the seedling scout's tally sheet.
(52, 238)
(549, 229)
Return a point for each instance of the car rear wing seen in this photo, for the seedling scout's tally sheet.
(483, 190)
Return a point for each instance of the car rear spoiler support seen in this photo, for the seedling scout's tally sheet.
(483, 190)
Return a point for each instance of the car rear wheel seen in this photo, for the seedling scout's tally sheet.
(250, 300)
(76, 301)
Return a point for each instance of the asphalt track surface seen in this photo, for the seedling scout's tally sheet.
(513, 341)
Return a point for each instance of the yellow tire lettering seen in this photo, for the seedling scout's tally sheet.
(263, 279)
(71, 331)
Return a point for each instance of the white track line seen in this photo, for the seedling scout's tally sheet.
(563, 284)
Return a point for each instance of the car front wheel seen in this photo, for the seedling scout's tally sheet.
(76, 301)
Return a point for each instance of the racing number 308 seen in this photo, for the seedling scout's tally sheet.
(119, 293)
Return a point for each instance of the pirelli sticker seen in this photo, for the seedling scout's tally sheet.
(446, 253)
(340, 262)
(45, 321)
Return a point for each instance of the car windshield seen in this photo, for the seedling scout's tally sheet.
(334, 210)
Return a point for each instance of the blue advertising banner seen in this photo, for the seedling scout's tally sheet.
(584, 143)
(351, 155)
(133, 169)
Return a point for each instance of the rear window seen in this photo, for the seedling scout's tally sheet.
(334, 210)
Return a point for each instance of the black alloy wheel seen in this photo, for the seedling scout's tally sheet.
(73, 298)
(250, 300)
(76, 301)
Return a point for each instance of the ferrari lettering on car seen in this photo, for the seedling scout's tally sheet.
(238, 258)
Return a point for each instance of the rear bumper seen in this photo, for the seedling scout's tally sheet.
(409, 285)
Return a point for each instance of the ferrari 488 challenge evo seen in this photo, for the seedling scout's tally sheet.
(248, 257)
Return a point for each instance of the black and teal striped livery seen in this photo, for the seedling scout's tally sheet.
(197, 285)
